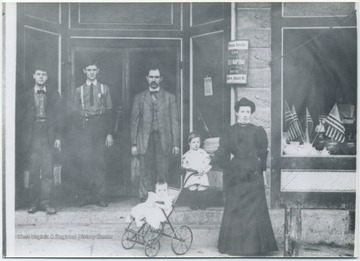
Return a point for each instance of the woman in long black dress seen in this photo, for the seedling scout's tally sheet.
(246, 227)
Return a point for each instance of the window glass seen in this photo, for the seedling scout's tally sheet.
(319, 91)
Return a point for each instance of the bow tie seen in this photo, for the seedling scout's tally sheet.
(40, 91)
(154, 92)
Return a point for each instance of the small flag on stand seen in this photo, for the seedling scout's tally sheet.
(322, 117)
(297, 123)
(335, 129)
(309, 125)
(293, 127)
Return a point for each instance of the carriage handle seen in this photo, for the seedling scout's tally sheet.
(194, 172)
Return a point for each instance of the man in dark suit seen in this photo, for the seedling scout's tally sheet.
(154, 132)
(39, 121)
(93, 108)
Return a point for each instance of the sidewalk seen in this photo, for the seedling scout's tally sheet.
(105, 241)
(95, 231)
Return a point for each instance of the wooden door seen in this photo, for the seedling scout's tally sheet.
(208, 32)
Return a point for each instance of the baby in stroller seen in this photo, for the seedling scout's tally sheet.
(150, 211)
(147, 222)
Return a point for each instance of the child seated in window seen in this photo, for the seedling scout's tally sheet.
(150, 211)
(196, 162)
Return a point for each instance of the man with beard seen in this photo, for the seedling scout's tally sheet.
(154, 132)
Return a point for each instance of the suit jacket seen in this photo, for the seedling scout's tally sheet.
(141, 121)
(26, 119)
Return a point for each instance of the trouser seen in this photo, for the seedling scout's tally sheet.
(40, 169)
(91, 159)
(154, 165)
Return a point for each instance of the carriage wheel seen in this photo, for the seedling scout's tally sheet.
(152, 247)
(150, 233)
(182, 240)
(128, 240)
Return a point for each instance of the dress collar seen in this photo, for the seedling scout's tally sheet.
(154, 90)
(242, 124)
(37, 88)
(88, 83)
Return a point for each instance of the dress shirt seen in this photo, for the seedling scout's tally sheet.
(102, 101)
(40, 101)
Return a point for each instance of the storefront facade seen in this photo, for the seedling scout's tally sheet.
(191, 41)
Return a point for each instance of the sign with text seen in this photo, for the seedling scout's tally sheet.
(238, 58)
(208, 89)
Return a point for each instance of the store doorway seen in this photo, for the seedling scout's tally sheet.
(123, 66)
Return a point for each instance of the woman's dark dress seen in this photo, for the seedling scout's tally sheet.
(245, 228)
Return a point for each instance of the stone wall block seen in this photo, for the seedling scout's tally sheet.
(253, 18)
(258, 37)
(259, 78)
(259, 57)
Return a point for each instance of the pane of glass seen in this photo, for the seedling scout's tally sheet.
(46, 11)
(319, 91)
(203, 13)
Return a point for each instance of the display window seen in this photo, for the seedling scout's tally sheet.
(319, 91)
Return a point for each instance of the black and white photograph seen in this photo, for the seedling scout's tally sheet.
(180, 129)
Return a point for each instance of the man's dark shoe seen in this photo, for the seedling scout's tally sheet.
(102, 204)
(142, 199)
(194, 207)
(202, 207)
(32, 210)
(50, 210)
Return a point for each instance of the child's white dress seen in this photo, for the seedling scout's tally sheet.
(150, 211)
(197, 160)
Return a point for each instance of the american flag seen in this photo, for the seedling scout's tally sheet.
(335, 129)
(309, 125)
(293, 128)
(297, 124)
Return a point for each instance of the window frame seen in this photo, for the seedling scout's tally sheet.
(281, 162)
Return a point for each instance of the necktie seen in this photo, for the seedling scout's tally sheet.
(154, 95)
(92, 95)
(40, 91)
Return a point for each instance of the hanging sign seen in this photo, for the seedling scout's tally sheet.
(238, 55)
(208, 89)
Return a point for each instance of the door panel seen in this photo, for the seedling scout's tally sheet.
(209, 32)
(208, 60)
(38, 44)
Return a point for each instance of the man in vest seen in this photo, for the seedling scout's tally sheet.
(154, 132)
(94, 133)
(39, 122)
